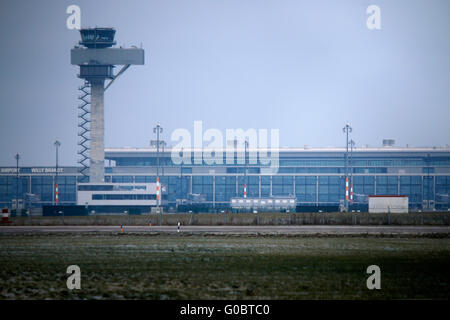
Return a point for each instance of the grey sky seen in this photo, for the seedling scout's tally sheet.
(305, 67)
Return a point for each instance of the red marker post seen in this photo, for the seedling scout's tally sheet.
(351, 193)
(346, 189)
(5, 216)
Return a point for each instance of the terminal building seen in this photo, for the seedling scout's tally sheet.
(314, 177)
(117, 179)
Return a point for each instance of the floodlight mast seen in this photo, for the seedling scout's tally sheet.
(158, 130)
(347, 129)
(57, 144)
(17, 157)
(96, 60)
(352, 144)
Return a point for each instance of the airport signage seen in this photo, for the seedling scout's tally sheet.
(8, 170)
(46, 170)
(38, 170)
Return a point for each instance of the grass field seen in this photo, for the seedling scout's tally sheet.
(168, 266)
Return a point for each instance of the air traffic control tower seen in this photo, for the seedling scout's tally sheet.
(96, 59)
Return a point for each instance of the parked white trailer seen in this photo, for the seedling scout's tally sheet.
(388, 203)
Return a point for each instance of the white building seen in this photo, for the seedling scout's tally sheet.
(116, 194)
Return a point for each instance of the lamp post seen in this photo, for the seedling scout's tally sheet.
(56, 144)
(17, 157)
(158, 129)
(347, 129)
(352, 143)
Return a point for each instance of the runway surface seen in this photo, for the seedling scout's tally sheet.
(291, 230)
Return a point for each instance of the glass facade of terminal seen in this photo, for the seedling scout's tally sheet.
(313, 177)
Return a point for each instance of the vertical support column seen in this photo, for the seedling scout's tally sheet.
(434, 190)
(423, 190)
(214, 191)
(317, 190)
(271, 185)
(76, 189)
(259, 183)
(293, 186)
(375, 185)
(97, 142)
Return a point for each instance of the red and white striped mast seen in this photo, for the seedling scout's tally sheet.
(157, 190)
(346, 189)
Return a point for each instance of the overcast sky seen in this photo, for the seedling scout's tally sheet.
(304, 67)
